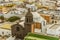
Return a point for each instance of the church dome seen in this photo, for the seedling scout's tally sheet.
(17, 25)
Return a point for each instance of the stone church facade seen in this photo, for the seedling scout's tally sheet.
(29, 26)
(20, 32)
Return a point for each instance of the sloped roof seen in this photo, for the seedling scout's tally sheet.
(36, 17)
(22, 23)
(55, 26)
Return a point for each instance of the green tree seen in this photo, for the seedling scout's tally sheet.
(13, 18)
(2, 17)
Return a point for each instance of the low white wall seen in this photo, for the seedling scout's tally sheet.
(37, 30)
(11, 38)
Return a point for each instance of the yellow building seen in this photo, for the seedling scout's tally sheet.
(5, 29)
(4, 10)
(6, 26)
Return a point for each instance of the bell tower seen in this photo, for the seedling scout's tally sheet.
(28, 21)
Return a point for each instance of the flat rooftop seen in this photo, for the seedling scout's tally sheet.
(6, 26)
(55, 26)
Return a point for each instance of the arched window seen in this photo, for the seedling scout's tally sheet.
(17, 28)
(53, 21)
(27, 19)
(2, 32)
(53, 17)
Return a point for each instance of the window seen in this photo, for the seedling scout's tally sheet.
(44, 23)
(52, 21)
(53, 17)
(26, 19)
(2, 32)
(17, 28)
(55, 21)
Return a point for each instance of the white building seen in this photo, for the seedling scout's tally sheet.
(11, 38)
(36, 18)
(58, 8)
(58, 2)
(20, 12)
(5, 32)
(5, 29)
(32, 6)
(54, 30)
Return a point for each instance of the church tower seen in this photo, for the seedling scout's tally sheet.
(28, 21)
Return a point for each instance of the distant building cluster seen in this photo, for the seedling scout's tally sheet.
(20, 17)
